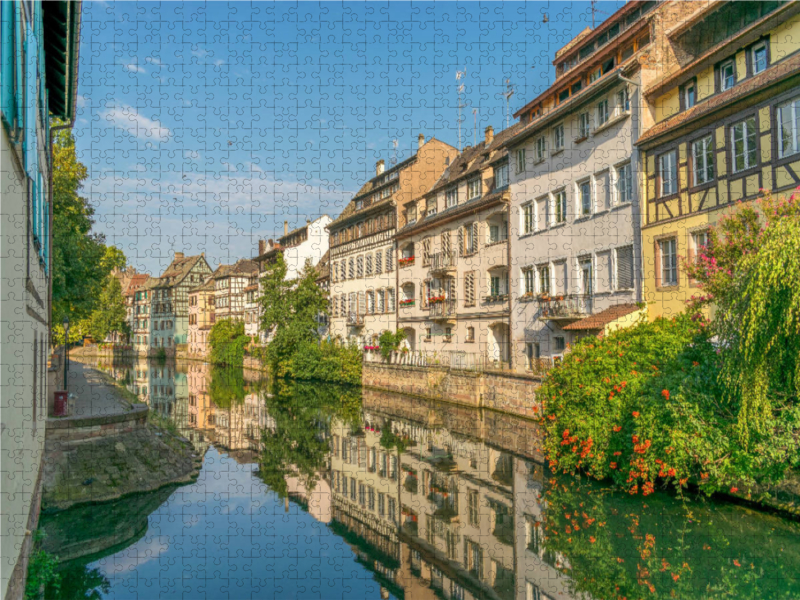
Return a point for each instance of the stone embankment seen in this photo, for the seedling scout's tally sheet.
(106, 449)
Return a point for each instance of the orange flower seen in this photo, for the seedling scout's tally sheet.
(635, 414)
(737, 563)
(734, 490)
(665, 393)
(591, 539)
(613, 465)
(617, 428)
(675, 576)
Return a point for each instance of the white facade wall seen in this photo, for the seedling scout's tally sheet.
(584, 253)
(312, 249)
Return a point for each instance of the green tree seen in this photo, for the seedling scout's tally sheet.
(81, 260)
(750, 271)
(228, 342)
(110, 315)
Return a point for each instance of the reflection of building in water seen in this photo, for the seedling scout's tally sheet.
(452, 517)
(161, 397)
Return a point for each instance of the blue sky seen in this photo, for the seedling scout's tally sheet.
(205, 125)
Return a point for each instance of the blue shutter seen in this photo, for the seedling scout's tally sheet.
(7, 101)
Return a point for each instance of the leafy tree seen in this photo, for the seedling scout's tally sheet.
(751, 272)
(110, 315)
(228, 342)
(389, 342)
(81, 260)
(274, 291)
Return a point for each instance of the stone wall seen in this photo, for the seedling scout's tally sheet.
(506, 392)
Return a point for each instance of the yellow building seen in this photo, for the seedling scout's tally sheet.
(725, 110)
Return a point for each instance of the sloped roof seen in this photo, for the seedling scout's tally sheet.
(135, 283)
(324, 266)
(243, 267)
(603, 318)
(151, 283)
(177, 271)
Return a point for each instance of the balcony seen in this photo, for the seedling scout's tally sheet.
(443, 309)
(442, 262)
(355, 319)
(564, 308)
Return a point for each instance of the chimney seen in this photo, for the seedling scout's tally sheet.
(285, 227)
(270, 244)
(420, 140)
(489, 133)
(262, 247)
(379, 167)
(178, 255)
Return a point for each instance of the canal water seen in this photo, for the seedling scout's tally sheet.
(319, 491)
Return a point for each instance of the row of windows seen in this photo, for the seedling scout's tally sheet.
(362, 228)
(370, 302)
(363, 265)
(596, 193)
(744, 145)
(365, 496)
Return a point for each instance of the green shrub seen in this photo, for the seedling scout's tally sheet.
(228, 341)
(326, 361)
(41, 570)
(644, 404)
(389, 342)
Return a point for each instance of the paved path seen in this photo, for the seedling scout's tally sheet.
(90, 395)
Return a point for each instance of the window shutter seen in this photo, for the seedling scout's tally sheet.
(474, 247)
(461, 241)
(362, 303)
(657, 266)
(625, 267)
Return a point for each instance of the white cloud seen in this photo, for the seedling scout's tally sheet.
(153, 61)
(219, 62)
(128, 119)
(199, 52)
(134, 68)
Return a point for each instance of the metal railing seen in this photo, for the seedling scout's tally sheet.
(451, 359)
(443, 309)
(353, 318)
(573, 306)
(442, 261)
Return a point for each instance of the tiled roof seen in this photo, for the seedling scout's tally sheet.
(178, 269)
(272, 251)
(784, 69)
(242, 267)
(135, 283)
(603, 318)
(251, 288)
(208, 286)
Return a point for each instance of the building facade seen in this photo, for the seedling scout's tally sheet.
(306, 244)
(230, 282)
(38, 78)
(201, 317)
(454, 260)
(129, 295)
(363, 297)
(169, 304)
(724, 105)
(141, 325)
(574, 193)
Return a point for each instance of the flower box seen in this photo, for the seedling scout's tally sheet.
(408, 260)
(436, 299)
(407, 302)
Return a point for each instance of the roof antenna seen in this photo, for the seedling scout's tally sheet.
(394, 152)
(459, 75)
(475, 128)
(508, 93)
(594, 10)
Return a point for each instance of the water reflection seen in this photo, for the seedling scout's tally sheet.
(314, 490)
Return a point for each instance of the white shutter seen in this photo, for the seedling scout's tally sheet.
(362, 303)
(474, 247)
(625, 267)
(461, 241)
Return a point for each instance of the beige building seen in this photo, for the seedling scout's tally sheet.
(454, 261)
(362, 249)
(140, 324)
(201, 317)
(230, 282)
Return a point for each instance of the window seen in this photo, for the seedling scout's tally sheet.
(501, 176)
(351, 271)
(759, 57)
(359, 266)
(378, 262)
(587, 276)
(624, 183)
(473, 505)
(390, 300)
(703, 160)
(743, 136)
(411, 215)
(426, 252)
(561, 206)
(469, 238)
(542, 213)
(469, 288)
(381, 504)
(690, 95)
(558, 137)
(583, 125)
(370, 302)
(529, 278)
(668, 171)
(623, 101)
(602, 112)
(700, 243)
(389, 260)
(544, 279)
(427, 334)
(541, 149)
(527, 218)
(498, 232)
(368, 266)
(625, 268)
(559, 343)
(789, 133)
(430, 207)
(498, 285)
(380, 302)
(470, 334)
(520, 160)
(585, 196)
(451, 197)
(473, 188)
(669, 262)
(727, 75)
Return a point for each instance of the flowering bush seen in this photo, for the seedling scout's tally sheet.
(372, 348)
(644, 405)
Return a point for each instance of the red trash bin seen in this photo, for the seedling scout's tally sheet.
(60, 404)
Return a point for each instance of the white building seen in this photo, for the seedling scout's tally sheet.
(575, 217)
(305, 244)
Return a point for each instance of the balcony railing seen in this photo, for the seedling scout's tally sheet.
(575, 306)
(354, 318)
(452, 359)
(443, 261)
(444, 309)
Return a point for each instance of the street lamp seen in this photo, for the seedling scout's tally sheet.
(66, 348)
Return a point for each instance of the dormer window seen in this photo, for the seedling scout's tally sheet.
(451, 197)
(759, 57)
(727, 75)
(501, 176)
(474, 188)
(359, 204)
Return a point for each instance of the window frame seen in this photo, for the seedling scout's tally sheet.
(603, 115)
(560, 206)
(501, 173)
(673, 268)
(584, 125)
(520, 160)
(582, 209)
(756, 149)
(558, 137)
(628, 168)
(541, 149)
(762, 44)
(708, 150)
(780, 154)
(476, 183)
(728, 62)
(660, 170)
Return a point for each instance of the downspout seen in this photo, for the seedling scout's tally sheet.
(508, 291)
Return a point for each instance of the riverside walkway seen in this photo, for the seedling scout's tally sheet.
(91, 395)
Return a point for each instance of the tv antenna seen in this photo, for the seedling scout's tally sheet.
(394, 152)
(475, 127)
(459, 76)
(507, 94)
